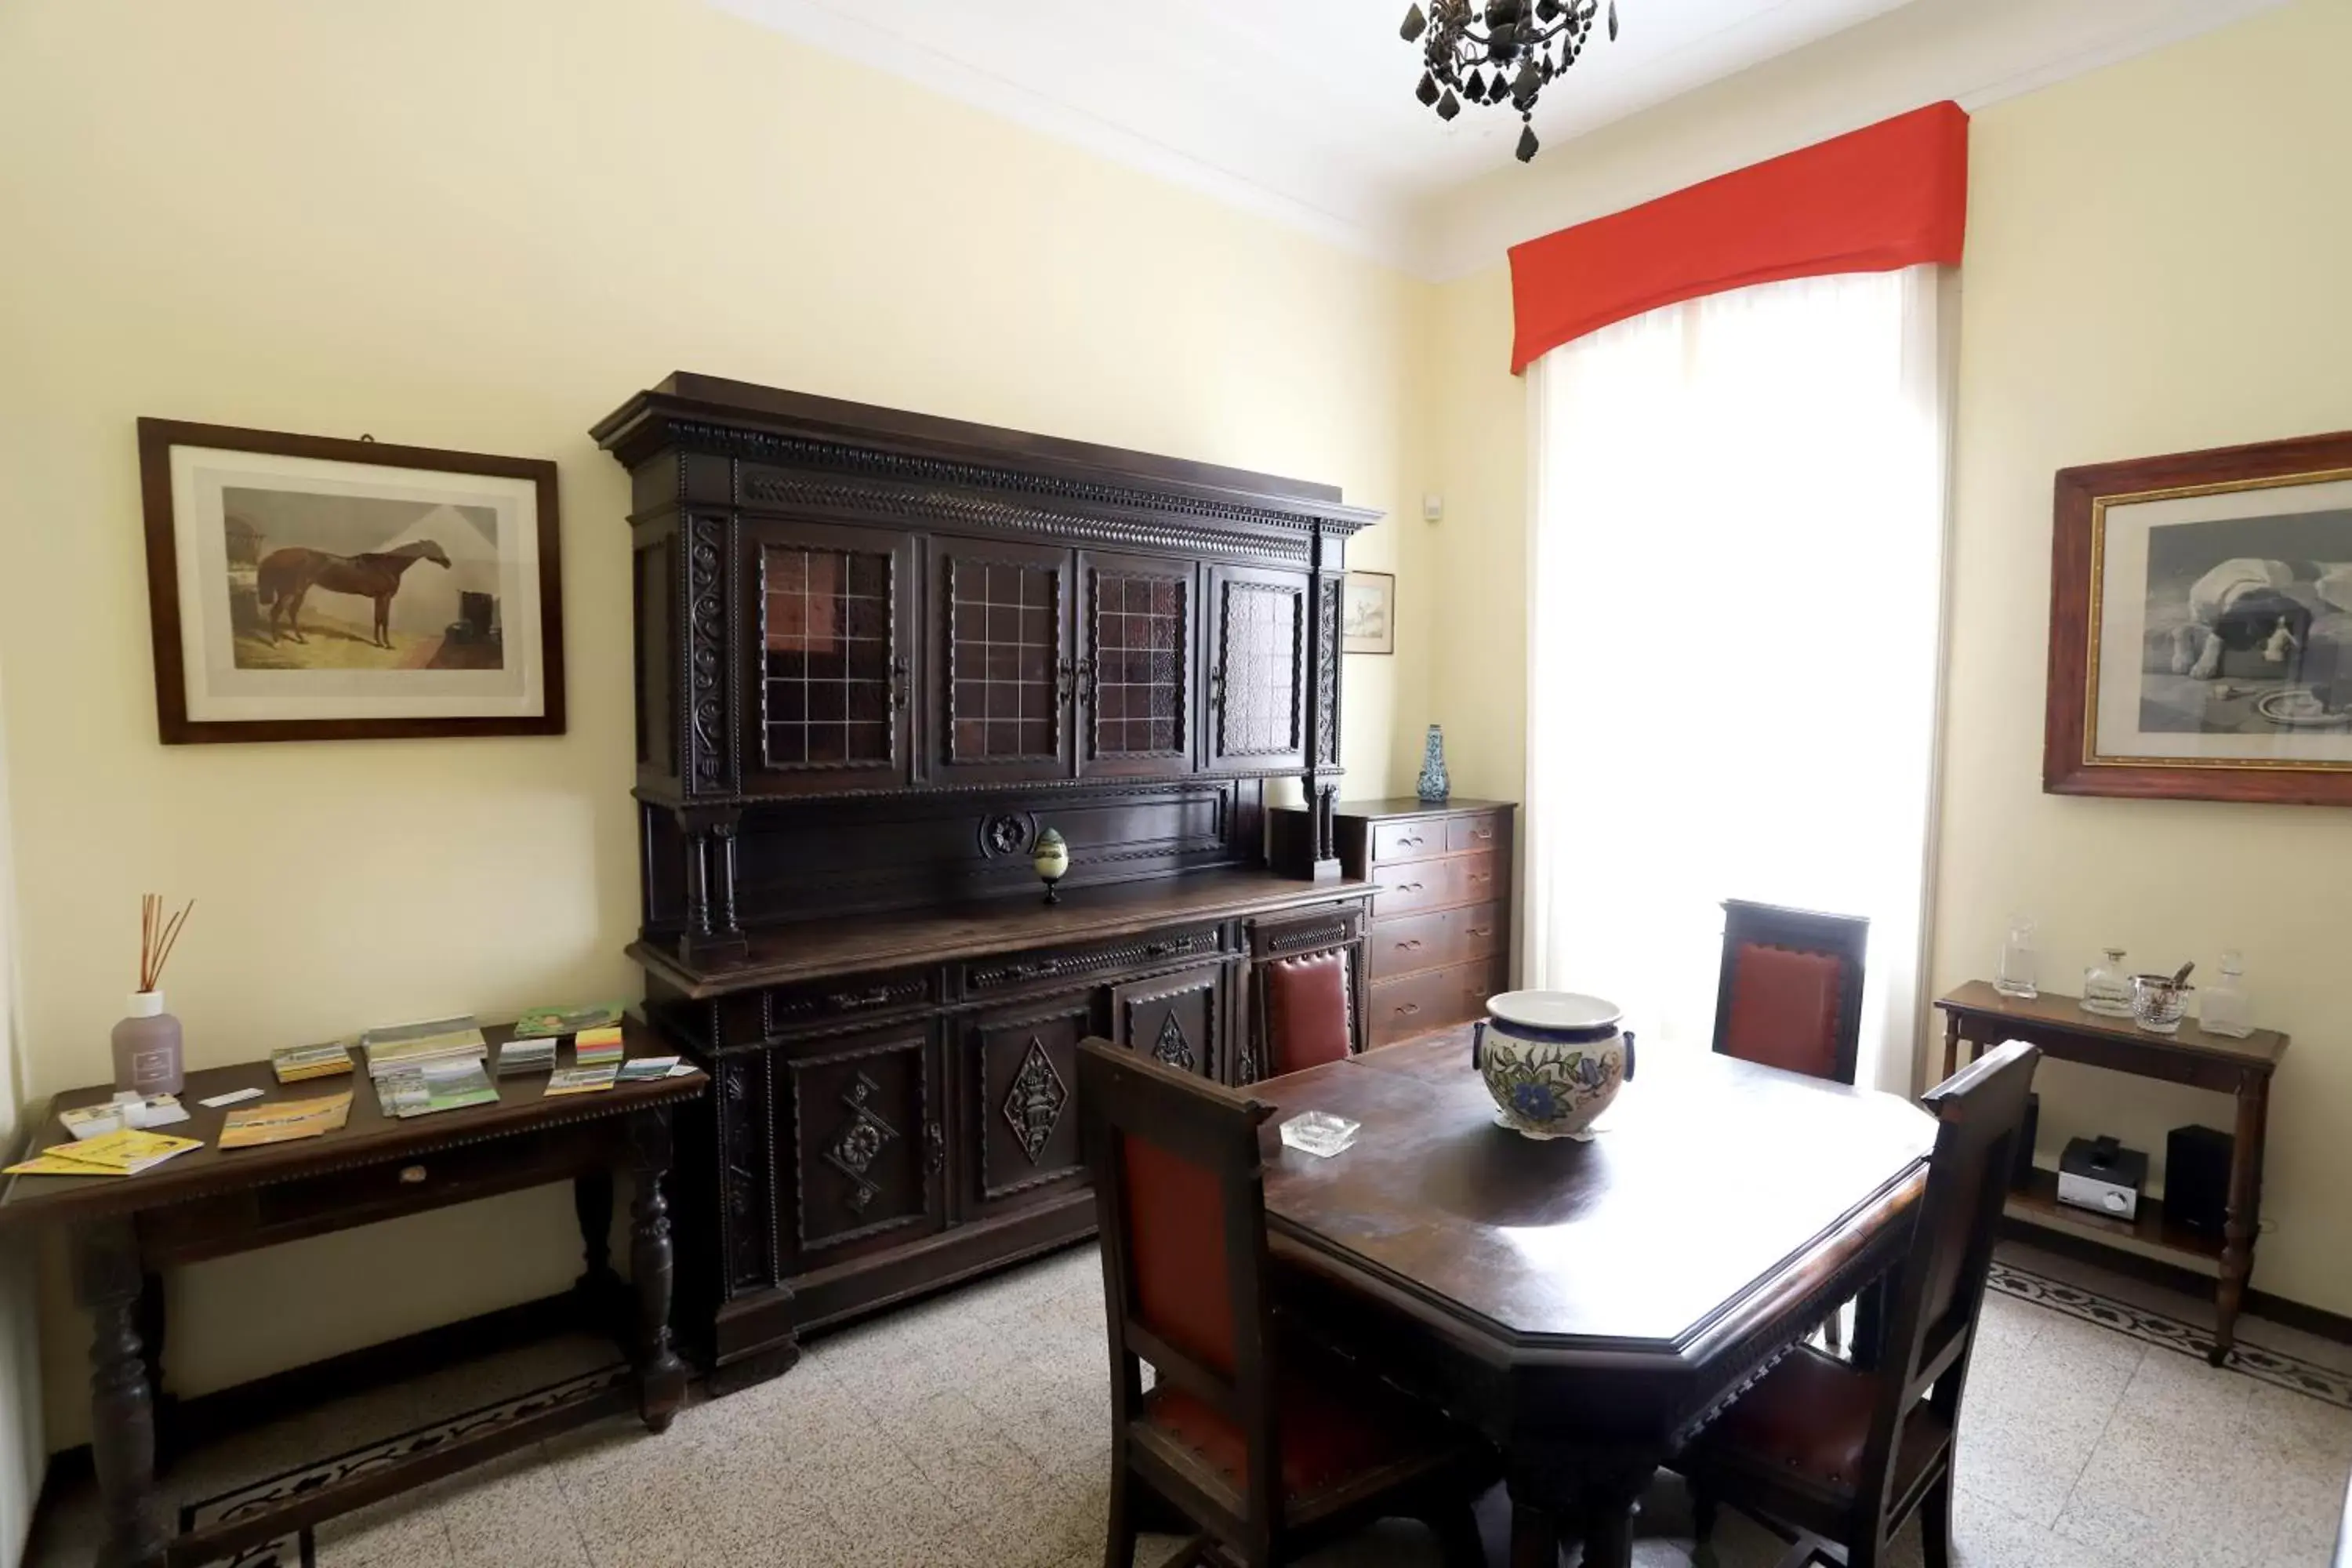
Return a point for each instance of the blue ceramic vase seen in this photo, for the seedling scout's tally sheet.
(1432, 785)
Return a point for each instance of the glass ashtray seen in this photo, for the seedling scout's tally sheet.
(1320, 1133)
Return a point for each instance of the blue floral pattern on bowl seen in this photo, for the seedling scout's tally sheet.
(1551, 1081)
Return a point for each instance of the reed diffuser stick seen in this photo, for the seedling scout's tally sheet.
(157, 937)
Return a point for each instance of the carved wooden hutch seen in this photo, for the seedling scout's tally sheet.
(876, 655)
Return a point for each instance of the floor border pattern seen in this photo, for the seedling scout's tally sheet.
(2273, 1367)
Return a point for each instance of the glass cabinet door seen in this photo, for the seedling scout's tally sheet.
(825, 706)
(1257, 706)
(999, 697)
(1137, 664)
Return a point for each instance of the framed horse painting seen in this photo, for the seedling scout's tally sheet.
(308, 588)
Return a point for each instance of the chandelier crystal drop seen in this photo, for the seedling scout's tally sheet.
(1500, 51)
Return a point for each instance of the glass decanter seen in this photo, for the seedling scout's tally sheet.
(2016, 976)
(2224, 1007)
(2107, 987)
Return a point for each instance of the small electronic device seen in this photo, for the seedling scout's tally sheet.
(2102, 1175)
(2197, 1178)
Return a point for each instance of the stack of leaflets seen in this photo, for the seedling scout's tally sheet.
(404, 1048)
(598, 1047)
(124, 1152)
(521, 1055)
(437, 1085)
(285, 1121)
(295, 1063)
(581, 1080)
(546, 1023)
(645, 1070)
(145, 1113)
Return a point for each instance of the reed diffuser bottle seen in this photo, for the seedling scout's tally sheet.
(147, 1055)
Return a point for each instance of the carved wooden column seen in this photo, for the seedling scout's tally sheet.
(109, 1283)
(661, 1375)
(1322, 780)
(591, 1200)
(711, 931)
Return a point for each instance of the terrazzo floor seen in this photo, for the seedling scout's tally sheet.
(973, 1430)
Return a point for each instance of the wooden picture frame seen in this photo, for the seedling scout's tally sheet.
(2201, 626)
(293, 642)
(1368, 613)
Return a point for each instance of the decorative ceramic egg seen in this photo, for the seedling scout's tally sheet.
(1552, 1060)
(1050, 859)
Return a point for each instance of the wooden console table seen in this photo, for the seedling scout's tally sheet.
(1983, 1016)
(211, 1202)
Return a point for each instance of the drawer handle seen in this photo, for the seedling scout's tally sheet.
(1482, 876)
(1408, 887)
(1482, 931)
(873, 998)
(1482, 833)
(1411, 944)
(1411, 842)
(412, 1175)
(1407, 1011)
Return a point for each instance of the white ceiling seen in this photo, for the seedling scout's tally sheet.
(1304, 109)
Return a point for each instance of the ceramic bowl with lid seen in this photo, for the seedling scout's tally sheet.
(1552, 1060)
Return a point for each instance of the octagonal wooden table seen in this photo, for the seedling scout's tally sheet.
(1588, 1306)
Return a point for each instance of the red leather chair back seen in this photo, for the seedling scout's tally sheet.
(1309, 1017)
(1175, 1236)
(1791, 990)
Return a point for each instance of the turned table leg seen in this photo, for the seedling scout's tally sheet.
(591, 1200)
(1535, 1536)
(2245, 1200)
(108, 1282)
(661, 1375)
(1951, 1044)
(1612, 1492)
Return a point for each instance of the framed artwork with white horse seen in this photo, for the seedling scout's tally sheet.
(306, 587)
(2200, 633)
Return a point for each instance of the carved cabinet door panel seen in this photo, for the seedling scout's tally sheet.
(829, 635)
(862, 1144)
(1018, 1074)
(998, 704)
(1178, 1020)
(1257, 671)
(1138, 664)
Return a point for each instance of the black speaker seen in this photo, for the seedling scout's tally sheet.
(2022, 1176)
(2197, 1178)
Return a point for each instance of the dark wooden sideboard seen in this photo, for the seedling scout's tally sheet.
(877, 654)
(1440, 938)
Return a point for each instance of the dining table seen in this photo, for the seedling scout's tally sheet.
(1587, 1304)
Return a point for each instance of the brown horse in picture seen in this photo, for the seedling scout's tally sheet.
(286, 577)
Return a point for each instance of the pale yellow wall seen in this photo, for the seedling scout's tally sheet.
(481, 224)
(2156, 262)
(22, 1450)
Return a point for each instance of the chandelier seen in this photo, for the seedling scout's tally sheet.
(1521, 48)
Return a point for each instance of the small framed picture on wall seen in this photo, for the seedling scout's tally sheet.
(1368, 613)
(2201, 626)
(306, 587)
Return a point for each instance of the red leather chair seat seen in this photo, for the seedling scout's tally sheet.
(1806, 1423)
(1784, 1009)
(1307, 1014)
(1338, 1425)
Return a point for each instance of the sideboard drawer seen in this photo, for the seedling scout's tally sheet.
(1410, 839)
(1009, 973)
(1471, 833)
(1477, 931)
(1416, 1004)
(1433, 884)
(1415, 942)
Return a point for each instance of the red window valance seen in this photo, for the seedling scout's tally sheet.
(1889, 195)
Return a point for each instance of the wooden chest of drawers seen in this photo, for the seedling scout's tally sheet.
(1440, 942)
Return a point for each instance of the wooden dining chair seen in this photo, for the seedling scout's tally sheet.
(1791, 990)
(1309, 1016)
(1269, 1445)
(1835, 1458)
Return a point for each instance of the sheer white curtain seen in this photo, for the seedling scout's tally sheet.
(1736, 596)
